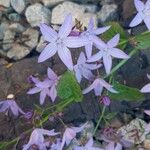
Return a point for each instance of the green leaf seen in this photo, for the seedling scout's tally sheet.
(125, 93)
(110, 116)
(115, 29)
(68, 87)
(142, 41)
(38, 109)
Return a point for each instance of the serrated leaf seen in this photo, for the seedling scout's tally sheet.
(68, 87)
(115, 29)
(125, 93)
(142, 41)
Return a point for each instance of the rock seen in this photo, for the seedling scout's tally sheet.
(107, 13)
(90, 8)
(134, 131)
(16, 27)
(14, 17)
(103, 2)
(18, 52)
(5, 3)
(41, 45)
(78, 11)
(37, 13)
(18, 5)
(51, 3)
(147, 144)
(32, 36)
(8, 39)
(3, 27)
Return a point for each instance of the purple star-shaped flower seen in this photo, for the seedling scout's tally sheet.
(146, 88)
(88, 146)
(143, 13)
(7, 105)
(91, 35)
(46, 87)
(107, 51)
(98, 85)
(84, 69)
(37, 138)
(60, 42)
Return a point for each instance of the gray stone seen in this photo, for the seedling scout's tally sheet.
(37, 13)
(78, 11)
(14, 17)
(103, 2)
(16, 27)
(90, 8)
(51, 3)
(3, 27)
(40, 45)
(107, 13)
(8, 39)
(5, 3)
(18, 5)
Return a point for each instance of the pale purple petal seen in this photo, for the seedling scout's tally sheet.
(91, 87)
(35, 80)
(45, 84)
(53, 93)
(114, 41)
(88, 50)
(48, 52)
(147, 21)
(47, 132)
(66, 27)
(43, 96)
(14, 108)
(98, 89)
(136, 20)
(107, 60)
(96, 57)
(4, 105)
(91, 24)
(88, 74)
(65, 56)
(34, 90)
(98, 42)
(101, 30)
(148, 76)
(146, 88)
(77, 73)
(92, 66)
(147, 4)
(118, 146)
(81, 58)
(75, 42)
(139, 5)
(147, 112)
(117, 53)
(48, 33)
(78, 148)
(51, 74)
(89, 143)
(79, 129)
(110, 146)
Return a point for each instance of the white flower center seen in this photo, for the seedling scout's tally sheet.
(146, 12)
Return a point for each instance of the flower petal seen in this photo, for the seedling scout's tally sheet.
(51, 74)
(53, 93)
(48, 52)
(48, 33)
(139, 5)
(43, 96)
(65, 56)
(147, 22)
(45, 84)
(89, 143)
(136, 20)
(98, 89)
(107, 60)
(88, 50)
(101, 30)
(146, 88)
(91, 24)
(66, 27)
(87, 74)
(147, 112)
(98, 42)
(114, 41)
(75, 42)
(147, 4)
(81, 58)
(96, 57)
(117, 53)
(34, 90)
(77, 73)
(92, 66)
(4, 105)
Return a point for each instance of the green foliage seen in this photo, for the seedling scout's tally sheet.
(125, 93)
(110, 116)
(68, 88)
(142, 41)
(115, 29)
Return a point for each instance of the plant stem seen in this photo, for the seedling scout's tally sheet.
(100, 119)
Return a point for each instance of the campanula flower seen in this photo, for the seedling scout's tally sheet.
(56, 146)
(91, 35)
(37, 138)
(105, 100)
(88, 146)
(83, 69)
(146, 88)
(60, 42)
(70, 134)
(46, 87)
(107, 51)
(112, 146)
(143, 13)
(98, 85)
(7, 105)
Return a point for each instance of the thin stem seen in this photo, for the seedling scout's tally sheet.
(100, 119)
